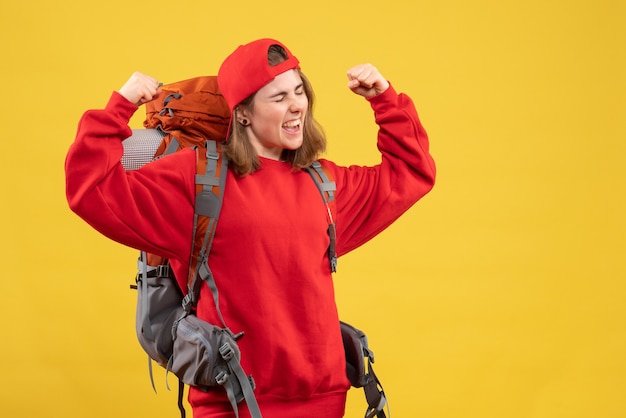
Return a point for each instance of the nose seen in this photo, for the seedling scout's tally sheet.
(298, 103)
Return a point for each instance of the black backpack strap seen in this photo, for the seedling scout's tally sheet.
(374, 395)
(359, 360)
(327, 189)
(181, 392)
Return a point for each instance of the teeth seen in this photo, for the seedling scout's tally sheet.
(292, 123)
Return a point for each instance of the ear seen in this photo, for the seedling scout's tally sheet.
(242, 115)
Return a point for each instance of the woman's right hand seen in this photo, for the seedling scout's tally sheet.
(140, 89)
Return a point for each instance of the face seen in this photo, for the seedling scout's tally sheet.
(276, 115)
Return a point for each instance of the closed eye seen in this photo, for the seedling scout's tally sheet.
(280, 96)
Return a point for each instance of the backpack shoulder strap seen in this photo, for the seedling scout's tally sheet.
(361, 374)
(327, 189)
(210, 183)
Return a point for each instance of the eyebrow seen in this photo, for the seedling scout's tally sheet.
(283, 93)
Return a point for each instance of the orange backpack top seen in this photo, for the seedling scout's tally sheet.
(191, 110)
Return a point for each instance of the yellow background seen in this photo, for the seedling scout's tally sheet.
(501, 294)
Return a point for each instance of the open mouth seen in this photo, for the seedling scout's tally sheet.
(292, 125)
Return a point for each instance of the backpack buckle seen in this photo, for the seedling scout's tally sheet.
(163, 270)
(221, 378)
(187, 303)
(227, 351)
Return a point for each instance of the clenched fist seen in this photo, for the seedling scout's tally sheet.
(365, 80)
(140, 89)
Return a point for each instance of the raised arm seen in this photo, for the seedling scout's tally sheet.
(369, 199)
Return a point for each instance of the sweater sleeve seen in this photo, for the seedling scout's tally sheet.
(150, 208)
(369, 199)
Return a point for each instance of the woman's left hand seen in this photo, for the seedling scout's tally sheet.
(365, 80)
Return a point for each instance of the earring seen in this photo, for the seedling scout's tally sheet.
(244, 122)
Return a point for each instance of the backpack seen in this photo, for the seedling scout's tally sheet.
(192, 113)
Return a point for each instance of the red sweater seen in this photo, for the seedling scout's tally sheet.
(269, 255)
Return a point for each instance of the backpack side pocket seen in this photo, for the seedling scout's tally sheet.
(159, 311)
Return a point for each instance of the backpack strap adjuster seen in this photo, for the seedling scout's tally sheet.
(227, 352)
(221, 378)
(163, 270)
(212, 155)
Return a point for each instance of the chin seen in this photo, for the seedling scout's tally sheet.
(293, 145)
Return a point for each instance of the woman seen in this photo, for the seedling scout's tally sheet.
(269, 255)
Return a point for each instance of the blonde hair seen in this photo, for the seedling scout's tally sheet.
(242, 156)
